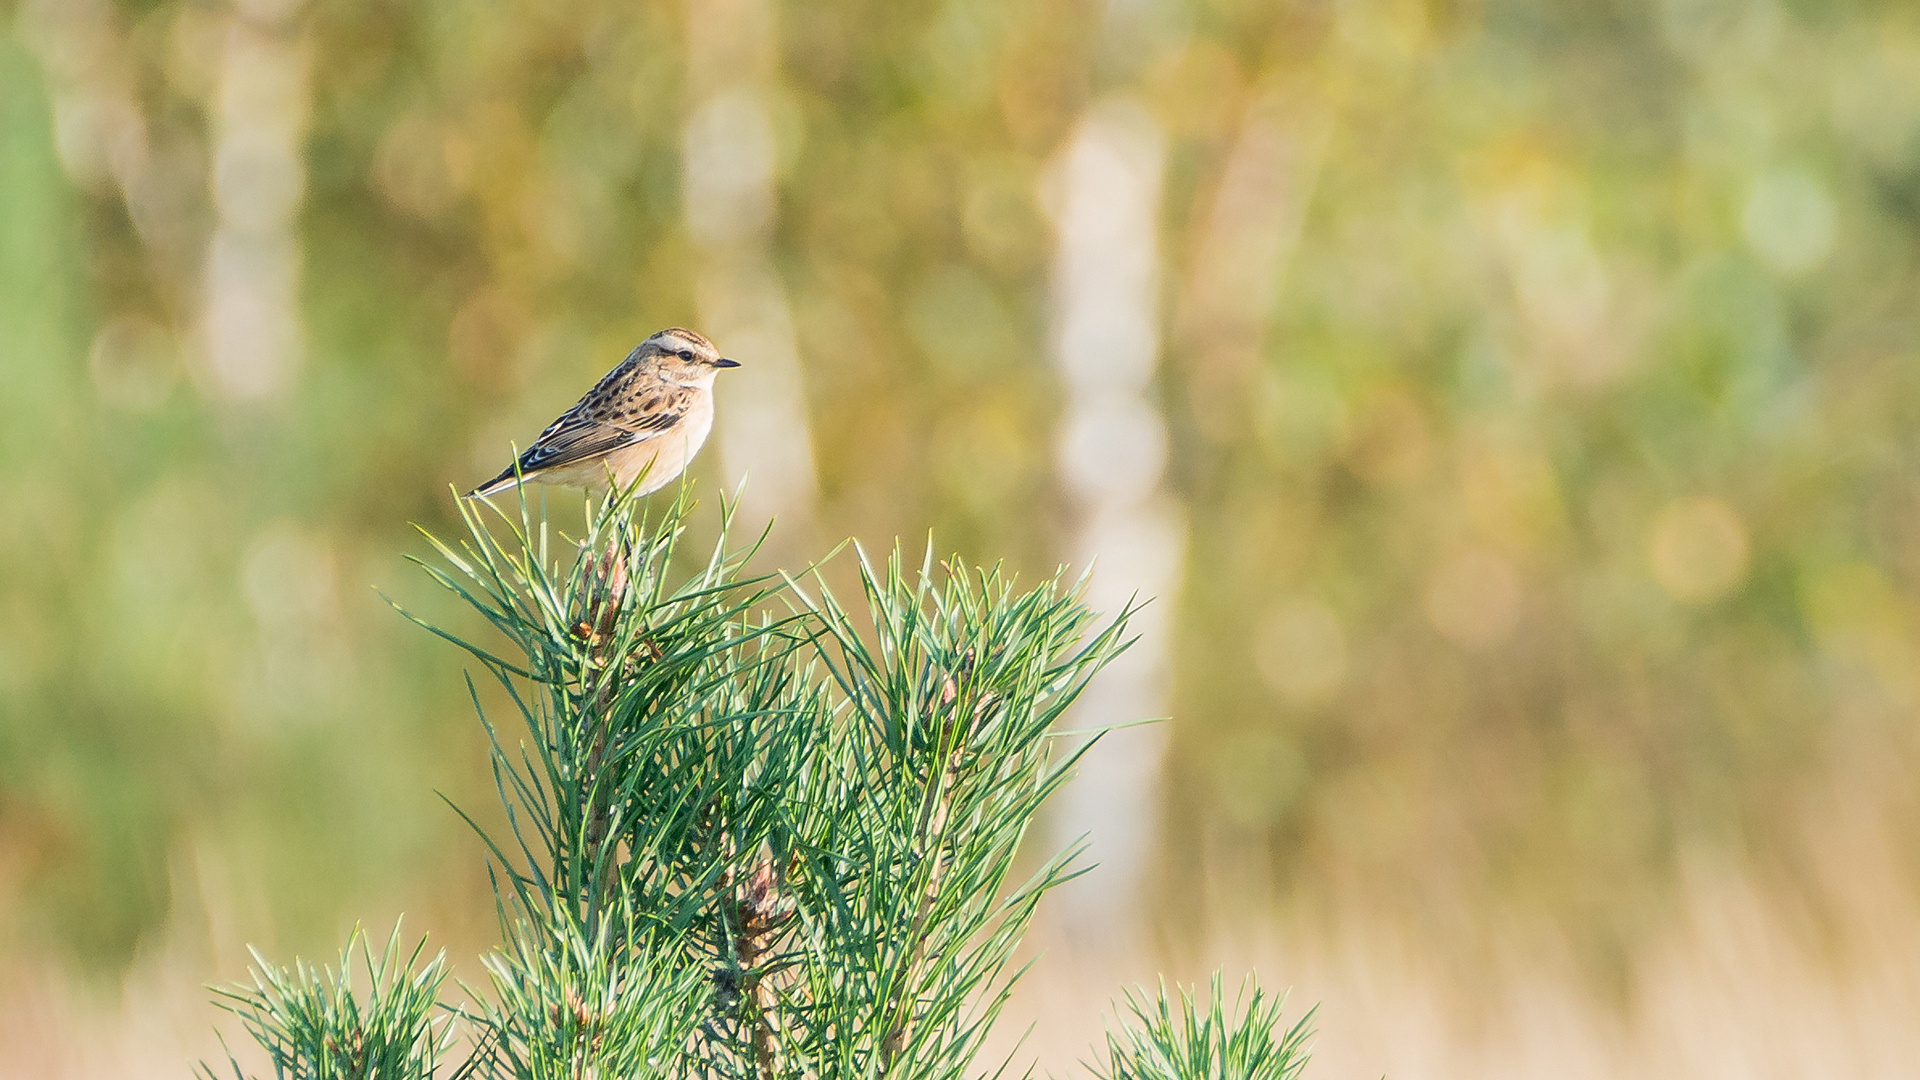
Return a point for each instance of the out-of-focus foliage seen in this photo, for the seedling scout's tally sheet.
(1541, 381)
(1163, 1039)
(314, 1025)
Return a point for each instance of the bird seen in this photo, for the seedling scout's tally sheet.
(643, 421)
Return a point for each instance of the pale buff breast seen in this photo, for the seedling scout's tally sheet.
(664, 457)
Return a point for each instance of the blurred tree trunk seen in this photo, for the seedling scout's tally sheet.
(1104, 194)
(728, 185)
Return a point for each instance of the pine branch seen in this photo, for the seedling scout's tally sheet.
(314, 1024)
(1163, 1040)
(751, 832)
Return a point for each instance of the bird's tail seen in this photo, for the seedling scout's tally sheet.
(504, 482)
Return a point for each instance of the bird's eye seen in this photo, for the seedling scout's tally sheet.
(686, 354)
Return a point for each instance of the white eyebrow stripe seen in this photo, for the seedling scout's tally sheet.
(684, 339)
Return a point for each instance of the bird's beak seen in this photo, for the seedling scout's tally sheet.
(724, 362)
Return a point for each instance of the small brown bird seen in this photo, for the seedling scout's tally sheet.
(648, 415)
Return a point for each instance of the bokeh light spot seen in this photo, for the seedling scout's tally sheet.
(1301, 651)
(954, 316)
(1388, 441)
(1473, 598)
(1789, 221)
(134, 364)
(420, 169)
(1698, 549)
(1257, 776)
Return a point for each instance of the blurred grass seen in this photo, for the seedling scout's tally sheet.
(1547, 475)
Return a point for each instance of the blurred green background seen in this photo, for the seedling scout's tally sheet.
(1538, 383)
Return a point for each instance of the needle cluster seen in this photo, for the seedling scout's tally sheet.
(753, 829)
(313, 1025)
(1167, 1039)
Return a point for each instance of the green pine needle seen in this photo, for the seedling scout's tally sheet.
(753, 830)
(1164, 1039)
(315, 1026)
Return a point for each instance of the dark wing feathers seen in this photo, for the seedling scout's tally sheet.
(588, 433)
(576, 442)
(609, 417)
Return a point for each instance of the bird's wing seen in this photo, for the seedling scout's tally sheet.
(603, 423)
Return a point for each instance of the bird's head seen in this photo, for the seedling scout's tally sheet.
(684, 357)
